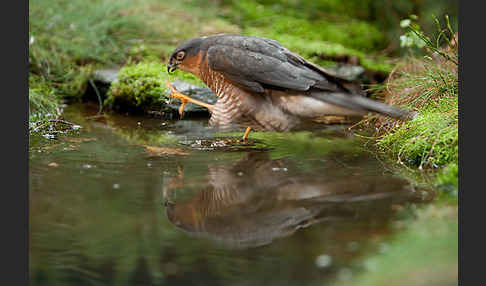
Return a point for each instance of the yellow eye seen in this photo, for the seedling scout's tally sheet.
(180, 55)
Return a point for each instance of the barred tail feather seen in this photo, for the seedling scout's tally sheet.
(360, 103)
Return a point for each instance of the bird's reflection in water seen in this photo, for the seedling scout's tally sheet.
(256, 200)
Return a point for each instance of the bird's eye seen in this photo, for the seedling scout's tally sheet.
(180, 55)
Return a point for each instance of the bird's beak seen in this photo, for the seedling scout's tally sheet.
(171, 68)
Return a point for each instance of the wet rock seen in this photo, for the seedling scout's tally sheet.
(102, 79)
(106, 76)
(349, 72)
(358, 73)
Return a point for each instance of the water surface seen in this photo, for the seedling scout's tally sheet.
(130, 200)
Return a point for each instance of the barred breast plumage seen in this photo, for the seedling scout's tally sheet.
(236, 106)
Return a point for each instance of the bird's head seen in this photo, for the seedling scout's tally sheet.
(186, 57)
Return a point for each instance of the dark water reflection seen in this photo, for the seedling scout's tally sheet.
(135, 201)
(256, 200)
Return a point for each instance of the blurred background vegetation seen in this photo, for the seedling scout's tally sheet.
(68, 39)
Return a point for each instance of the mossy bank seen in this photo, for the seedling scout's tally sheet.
(429, 87)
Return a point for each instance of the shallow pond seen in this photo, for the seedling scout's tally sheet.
(144, 201)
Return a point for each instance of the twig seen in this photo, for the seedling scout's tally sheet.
(98, 95)
(95, 116)
(61, 121)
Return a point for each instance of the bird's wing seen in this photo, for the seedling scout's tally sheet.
(257, 63)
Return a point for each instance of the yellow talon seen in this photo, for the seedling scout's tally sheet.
(184, 99)
(181, 108)
(247, 132)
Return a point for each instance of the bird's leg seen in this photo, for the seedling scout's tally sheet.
(184, 99)
(247, 132)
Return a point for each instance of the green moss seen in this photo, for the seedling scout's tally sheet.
(43, 103)
(142, 86)
(431, 139)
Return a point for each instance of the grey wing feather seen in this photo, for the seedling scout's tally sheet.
(256, 63)
(247, 84)
(259, 63)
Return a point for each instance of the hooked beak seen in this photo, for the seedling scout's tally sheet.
(171, 68)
